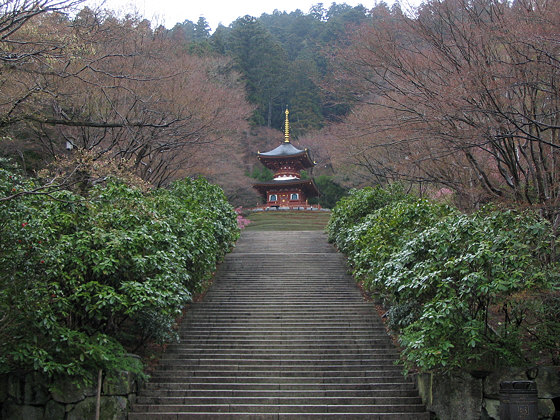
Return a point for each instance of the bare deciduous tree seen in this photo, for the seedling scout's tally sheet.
(464, 95)
(115, 87)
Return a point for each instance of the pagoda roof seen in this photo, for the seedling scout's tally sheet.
(288, 150)
(307, 185)
(285, 149)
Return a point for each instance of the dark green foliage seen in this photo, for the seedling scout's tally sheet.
(464, 291)
(83, 280)
(371, 243)
(545, 326)
(201, 29)
(331, 192)
(350, 210)
(261, 60)
(211, 229)
(261, 173)
(281, 57)
(194, 36)
(463, 270)
(191, 32)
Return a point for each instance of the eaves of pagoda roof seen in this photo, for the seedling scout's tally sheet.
(287, 150)
(307, 185)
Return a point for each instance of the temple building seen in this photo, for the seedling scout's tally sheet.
(287, 189)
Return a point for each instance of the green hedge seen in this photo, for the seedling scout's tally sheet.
(83, 280)
(350, 211)
(463, 291)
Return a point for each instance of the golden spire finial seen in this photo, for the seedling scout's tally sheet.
(287, 128)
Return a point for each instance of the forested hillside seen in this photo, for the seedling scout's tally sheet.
(282, 57)
(454, 98)
(169, 103)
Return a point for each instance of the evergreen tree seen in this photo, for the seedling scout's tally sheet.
(304, 98)
(281, 57)
(201, 29)
(183, 32)
(219, 39)
(262, 62)
(330, 192)
(318, 12)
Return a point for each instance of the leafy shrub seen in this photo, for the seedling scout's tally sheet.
(372, 242)
(544, 327)
(83, 280)
(402, 314)
(465, 273)
(204, 222)
(331, 192)
(350, 210)
(464, 291)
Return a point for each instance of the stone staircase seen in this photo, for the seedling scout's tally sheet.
(283, 333)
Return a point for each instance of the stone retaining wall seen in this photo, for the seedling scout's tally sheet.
(27, 397)
(476, 396)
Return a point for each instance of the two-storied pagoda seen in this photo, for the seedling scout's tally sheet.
(287, 189)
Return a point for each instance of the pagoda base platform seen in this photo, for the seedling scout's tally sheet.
(295, 207)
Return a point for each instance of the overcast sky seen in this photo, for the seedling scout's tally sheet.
(170, 12)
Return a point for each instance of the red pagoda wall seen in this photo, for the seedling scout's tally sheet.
(284, 198)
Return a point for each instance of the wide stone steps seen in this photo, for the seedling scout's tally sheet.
(281, 371)
(243, 327)
(283, 379)
(190, 359)
(283, 333)
(250, 330)
(276, 393)
(280, 400)
(171, 362)
(272, 416)
(186, 387)
(336, 406)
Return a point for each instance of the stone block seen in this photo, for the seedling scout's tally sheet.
(3, 388)
(35, 391)
(111, 408)
(456, 396)
(546, 409)
(424, 385)
(491, 408)
(548, 381)
(16, 388)
(121, 384)
(54, 411)
(69, 392)
(14, 411)
(493, 380)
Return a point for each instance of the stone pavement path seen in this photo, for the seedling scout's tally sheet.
(283, 333)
